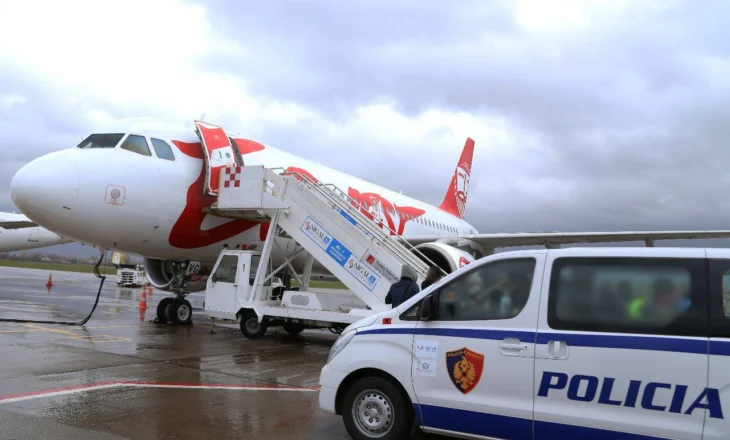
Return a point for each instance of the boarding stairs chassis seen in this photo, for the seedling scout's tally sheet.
(351, 246)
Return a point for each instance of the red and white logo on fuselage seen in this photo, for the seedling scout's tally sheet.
(187, 232)
(382, 211)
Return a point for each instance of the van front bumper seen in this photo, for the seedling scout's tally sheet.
(329, 382)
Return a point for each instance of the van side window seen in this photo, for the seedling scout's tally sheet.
(136, 144)
(226, 270)
(629, 295)
(496, 290)
(720, 299)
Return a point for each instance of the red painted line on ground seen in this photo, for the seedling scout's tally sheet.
(221, 385)
(142, 384)
(55, 390)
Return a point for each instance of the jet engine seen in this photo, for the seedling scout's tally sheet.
(444, 256)
(160, 274)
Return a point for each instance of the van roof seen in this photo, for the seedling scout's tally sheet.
(677, 252)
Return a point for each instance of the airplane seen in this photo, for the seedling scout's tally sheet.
(140, 186)
(18, 233)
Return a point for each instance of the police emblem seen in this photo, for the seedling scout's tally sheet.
(465, 368)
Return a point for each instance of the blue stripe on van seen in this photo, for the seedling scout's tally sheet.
(654, 343)
(476, 423)
(454, 333)
(499, 426)
(720, 347)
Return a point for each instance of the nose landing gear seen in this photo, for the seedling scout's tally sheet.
(178, 309)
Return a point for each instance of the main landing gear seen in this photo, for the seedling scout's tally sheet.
(177, 309)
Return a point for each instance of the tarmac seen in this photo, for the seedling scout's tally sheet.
(121, 376)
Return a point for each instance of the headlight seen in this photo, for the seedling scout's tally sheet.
(340, 344)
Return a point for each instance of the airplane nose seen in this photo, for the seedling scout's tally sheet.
(46, 188)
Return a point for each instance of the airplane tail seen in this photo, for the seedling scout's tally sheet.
(455, 200)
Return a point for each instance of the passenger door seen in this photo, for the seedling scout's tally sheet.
(220, 293)
(622, 347)
(717, 425)
(473, 360)
(34, 234)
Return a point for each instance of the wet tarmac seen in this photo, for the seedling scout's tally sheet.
(123, 377)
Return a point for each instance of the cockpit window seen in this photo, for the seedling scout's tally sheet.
(105, 140)
(162, 149)
(136, 144)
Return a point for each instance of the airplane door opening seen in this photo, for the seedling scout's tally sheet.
(34, 234)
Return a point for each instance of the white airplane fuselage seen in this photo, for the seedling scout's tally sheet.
(146, 205)
(28, 238)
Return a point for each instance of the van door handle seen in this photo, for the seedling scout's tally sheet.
(512, 344)
(557, 349)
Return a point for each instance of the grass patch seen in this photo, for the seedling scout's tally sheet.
(82, 268)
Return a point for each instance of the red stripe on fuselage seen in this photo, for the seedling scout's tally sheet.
(187, 233)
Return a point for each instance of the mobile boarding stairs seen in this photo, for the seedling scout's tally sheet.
(330, 227)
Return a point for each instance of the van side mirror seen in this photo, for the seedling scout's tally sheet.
(213, 278)
(425, 313)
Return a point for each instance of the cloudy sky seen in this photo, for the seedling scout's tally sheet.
(587, 115)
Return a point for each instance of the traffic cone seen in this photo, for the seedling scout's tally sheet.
(50, 281)
(141, 314)
(143, 300)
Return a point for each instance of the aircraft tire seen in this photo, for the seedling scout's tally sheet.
(181, 312)
(162, 316)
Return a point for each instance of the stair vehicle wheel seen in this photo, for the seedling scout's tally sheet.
(373, 408)
(250, 325)
(181, 312)
(293, 328)
(163, 309)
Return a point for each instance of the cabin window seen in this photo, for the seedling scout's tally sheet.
(136, 144)
(163, 149)
(101, 140)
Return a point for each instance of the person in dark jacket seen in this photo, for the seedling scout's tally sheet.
(432, 277)
(403, 289)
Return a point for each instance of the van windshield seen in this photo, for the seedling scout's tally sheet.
(101, 140)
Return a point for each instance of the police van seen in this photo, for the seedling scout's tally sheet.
(580, 343)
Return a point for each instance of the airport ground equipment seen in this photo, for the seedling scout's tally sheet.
(131, 275)
(330, 227)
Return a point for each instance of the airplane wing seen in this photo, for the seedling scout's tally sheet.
(558, 238)
(15, 221)
(17, 224)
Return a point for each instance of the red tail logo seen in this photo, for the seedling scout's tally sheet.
(455, 200)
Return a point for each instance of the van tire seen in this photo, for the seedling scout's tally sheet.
(376, 394)
(250, 325)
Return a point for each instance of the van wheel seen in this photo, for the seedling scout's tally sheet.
(375, 409)
(250, 325)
